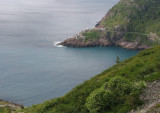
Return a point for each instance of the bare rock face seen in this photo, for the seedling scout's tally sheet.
(105, 42)
(128, 45)
(131, 45)
(151, 97)
(80, 43)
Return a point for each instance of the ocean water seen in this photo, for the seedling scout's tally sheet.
(32, 68)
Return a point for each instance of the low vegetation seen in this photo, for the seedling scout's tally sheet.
(117, 92)
(5, 110)
(91, 35)
(135, 16)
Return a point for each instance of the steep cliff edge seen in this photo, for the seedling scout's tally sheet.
(131, 24)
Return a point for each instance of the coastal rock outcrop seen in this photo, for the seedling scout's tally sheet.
(104, 39)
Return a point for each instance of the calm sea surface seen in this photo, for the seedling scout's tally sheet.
(32, 68)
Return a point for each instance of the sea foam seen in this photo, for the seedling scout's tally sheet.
(56, 44)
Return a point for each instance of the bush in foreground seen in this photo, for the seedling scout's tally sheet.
(118, 91)
(99, 100)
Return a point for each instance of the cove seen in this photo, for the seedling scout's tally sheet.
(32, 75)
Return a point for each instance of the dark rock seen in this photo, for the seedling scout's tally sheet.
(116, 39)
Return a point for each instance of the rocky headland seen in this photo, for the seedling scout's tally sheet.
(105, 38)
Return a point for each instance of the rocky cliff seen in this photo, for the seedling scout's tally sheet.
(110, 39)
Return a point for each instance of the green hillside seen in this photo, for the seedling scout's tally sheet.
(116, 90)
(141, 16)
(139, 20)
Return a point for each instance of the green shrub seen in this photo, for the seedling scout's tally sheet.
(120, 91)
(92, 35)
(119, 85)
(137, 88)
(5, 110)
(100, 100)
(153, 77)
(148, 69)
(145, 53)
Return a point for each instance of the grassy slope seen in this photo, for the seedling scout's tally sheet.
(5, 110)
(137, 15)
(144, 66)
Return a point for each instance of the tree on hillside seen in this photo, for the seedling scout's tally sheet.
(117, 61)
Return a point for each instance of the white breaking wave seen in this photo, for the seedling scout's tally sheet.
(56, 44)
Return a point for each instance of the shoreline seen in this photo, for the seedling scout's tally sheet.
(138, 49)
(11, 105)
(105, 39)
